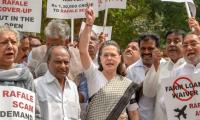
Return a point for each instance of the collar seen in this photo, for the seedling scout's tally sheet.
(191, 65)
(139, 63)
(180, 61)
(50, 79)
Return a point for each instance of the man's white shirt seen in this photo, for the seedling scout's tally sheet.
(55, 103)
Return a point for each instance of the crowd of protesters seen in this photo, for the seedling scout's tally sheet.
(93, 79)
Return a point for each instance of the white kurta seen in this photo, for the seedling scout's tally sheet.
(152, 86)
(136, 72)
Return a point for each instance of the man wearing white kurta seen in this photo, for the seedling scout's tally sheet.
(169, 71)
(191, 50)
(152, 86)
(58, 96)
(136, 72)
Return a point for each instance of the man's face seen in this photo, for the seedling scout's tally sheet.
(23, 52)
(58, 64)
(131, 53)
(93, 47)
(54, 42)
(174, 46)
(191, 49)
(34, 42)
(8, 49)
(146, 49)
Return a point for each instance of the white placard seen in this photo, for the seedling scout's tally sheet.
(69, 9)
(178, 0)
(103, 4)
(191, 6)
(99, 29)
(182, 97)
(16, 103)
(23, 15)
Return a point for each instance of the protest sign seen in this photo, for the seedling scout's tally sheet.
(16, 103)
(99, 29)
(190, 6)
(69, 9)
(104, 4)
(178, 0)
(181, 97)
(23, 15)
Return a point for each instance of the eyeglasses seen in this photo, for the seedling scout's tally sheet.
(193, 44)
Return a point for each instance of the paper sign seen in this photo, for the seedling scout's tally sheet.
(23, 15)
(103, 4)
(190, 4)
(178, 0)
(16, 103)
(182, 97)
(98, 29)
(69, 9)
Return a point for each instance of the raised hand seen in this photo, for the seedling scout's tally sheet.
(90, 17)
(102, 37)
(156, 58)
(194, 24)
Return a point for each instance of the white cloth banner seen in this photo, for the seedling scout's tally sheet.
(69, 9)
(23, 15)
(99, 29)
(16, 103)
(182, 97)
(103, 4)
(179, 1)
(190, 3)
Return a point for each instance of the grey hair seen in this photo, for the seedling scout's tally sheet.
(6, 28)
(93, 36)
(57, 28)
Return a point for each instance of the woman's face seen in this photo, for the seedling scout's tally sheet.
(8, 49)
(110, 58)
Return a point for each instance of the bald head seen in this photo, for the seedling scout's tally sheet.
(58, 59)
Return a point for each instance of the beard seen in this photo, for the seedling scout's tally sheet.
(194, 61)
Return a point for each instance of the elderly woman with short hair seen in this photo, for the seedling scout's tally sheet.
(12, 74)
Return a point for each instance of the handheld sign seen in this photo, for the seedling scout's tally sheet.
(69, 9)
(23, 15)
(16, 103)
(189, 4)
(181, 97)
(99, 29)
(105, 4)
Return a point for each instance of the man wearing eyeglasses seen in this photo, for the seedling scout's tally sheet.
(191, 50)
(152, 86)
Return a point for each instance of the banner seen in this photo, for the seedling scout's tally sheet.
(99, 29)
(190, 4)
(182, 97)
(103, 4)
(69, 9)
(23, 15)
(179, 1)
(16, 103)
